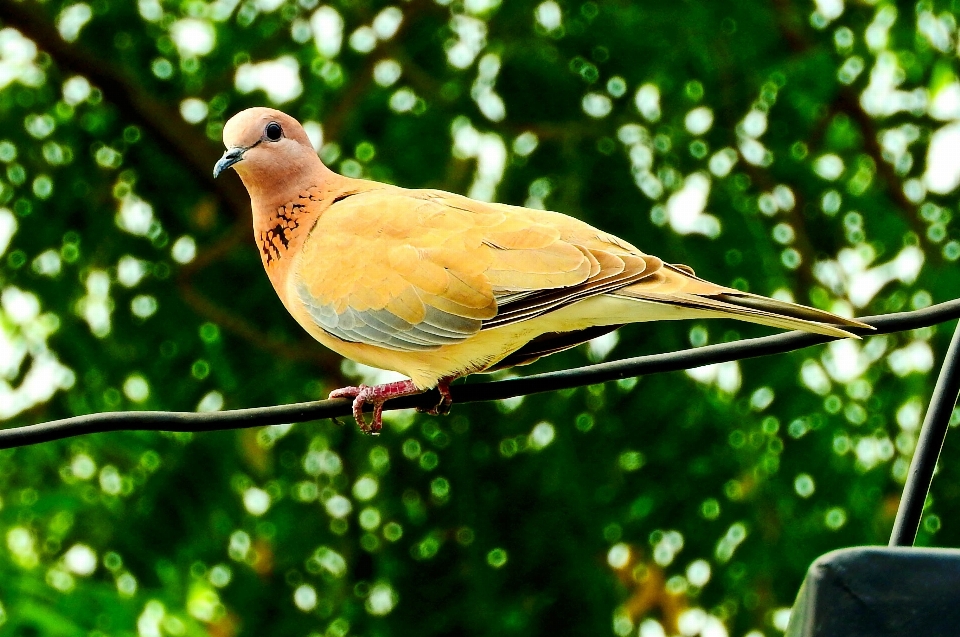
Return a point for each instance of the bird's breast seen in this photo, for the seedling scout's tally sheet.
(281, 233)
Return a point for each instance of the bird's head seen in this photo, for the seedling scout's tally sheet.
(268, 149)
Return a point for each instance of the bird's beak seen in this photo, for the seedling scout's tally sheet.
(231, 157)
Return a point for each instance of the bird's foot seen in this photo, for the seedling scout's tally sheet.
(442, 408)
(376, 396)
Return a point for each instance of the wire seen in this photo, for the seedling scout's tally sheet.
(473, 392)
(929, 445)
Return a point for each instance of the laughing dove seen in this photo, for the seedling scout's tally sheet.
(437, 286)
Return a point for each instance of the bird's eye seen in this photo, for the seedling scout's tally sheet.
(273, 131)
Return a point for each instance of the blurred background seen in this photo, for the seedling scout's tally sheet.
(806, 150)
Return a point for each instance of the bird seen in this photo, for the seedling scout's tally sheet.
(437, 286)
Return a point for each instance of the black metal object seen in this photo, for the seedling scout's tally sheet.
(929, 444)
(876, 591)
(473, 392)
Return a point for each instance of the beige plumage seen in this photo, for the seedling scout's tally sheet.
(437, 286)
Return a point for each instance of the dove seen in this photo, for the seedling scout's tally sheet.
(437, 286)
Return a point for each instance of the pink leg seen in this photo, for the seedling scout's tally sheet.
(376, 396)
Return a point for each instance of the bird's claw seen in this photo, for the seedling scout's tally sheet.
(379, 394)
(442, 408)
(376, 396)
(361, 395)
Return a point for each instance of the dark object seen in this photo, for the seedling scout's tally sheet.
(880, 592)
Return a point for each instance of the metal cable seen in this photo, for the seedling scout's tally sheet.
(473, 392)
(929, 444)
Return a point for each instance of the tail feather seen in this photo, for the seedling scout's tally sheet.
(791, 310)
(758, 309)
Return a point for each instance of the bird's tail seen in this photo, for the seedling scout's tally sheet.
(756, 309)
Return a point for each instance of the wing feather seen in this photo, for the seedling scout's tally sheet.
(417, 270)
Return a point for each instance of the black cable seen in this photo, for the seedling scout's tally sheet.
(929, 445)
(473, 392)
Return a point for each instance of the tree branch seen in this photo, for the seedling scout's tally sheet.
(179, 140)
(793, 30)
(177, 137)
(848, 103)
(474, 392)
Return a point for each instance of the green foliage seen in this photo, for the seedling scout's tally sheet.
(802, 150)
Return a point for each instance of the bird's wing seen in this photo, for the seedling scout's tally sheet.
(416, 270)
(647, 278)
(606, 262)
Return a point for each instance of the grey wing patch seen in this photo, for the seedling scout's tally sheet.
(382, 328)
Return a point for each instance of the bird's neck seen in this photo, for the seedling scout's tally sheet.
(274, 185)
(282, 223)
